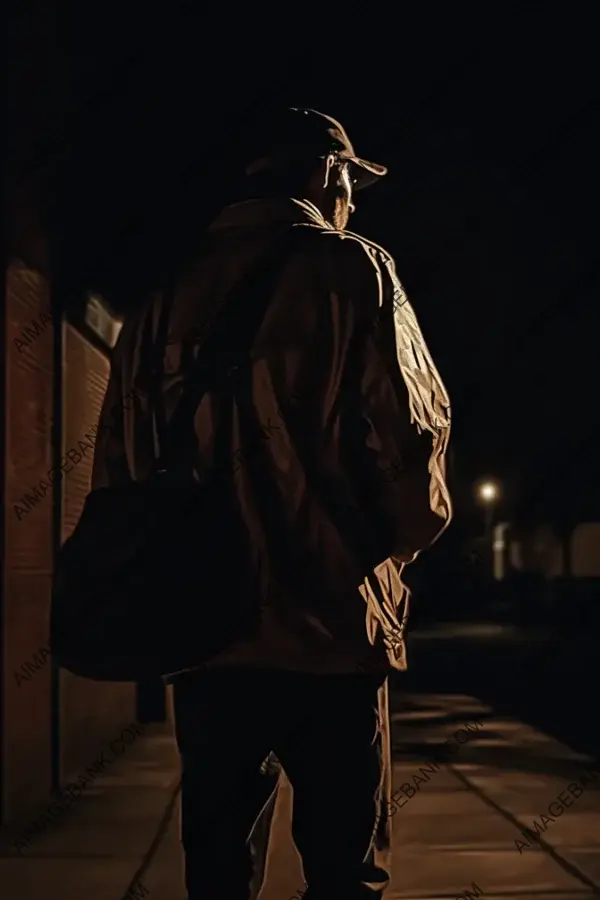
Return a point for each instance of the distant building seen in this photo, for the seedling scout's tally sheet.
(557, 532)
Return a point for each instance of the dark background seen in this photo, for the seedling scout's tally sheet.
(489, 126)
(124, 129)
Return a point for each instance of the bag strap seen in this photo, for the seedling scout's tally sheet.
(156, 360)
(229, 338)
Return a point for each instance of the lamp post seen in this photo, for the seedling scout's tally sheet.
(488, 494)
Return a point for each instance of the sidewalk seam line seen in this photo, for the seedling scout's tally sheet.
(568, 867)
(150, 853)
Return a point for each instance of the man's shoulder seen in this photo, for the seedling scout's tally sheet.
(353, 273)
(347, 258)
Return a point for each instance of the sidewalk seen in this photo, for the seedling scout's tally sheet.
(458, 831)
(96, 848)
(451, 631)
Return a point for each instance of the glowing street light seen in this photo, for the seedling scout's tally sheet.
(488, 494)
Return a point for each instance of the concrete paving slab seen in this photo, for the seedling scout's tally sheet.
(574, 829)
(514, 780)
(443, 779)
(586, 860)
(165, 877)
(90, 824)
(95, 847)
(135, 804)
(428, 802)
(142, 779)
(482, 831)
(60, 879)
(449, 874)
(530, 805)
(554, 895)
(92, 840)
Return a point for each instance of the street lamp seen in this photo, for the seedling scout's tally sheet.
(488, 494)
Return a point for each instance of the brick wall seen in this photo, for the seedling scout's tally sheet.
(90, 714)
(28, 540)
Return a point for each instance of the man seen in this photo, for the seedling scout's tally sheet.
(339, 427)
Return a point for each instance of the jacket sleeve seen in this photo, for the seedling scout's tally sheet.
(394, 460)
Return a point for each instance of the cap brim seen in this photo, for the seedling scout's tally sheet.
(366, 173)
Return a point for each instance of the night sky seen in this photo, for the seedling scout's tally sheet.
(489, 127)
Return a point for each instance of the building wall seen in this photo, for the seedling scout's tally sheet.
(25, 731)
(540, 549)
(90, 712)
(585, 550)
(542, 552)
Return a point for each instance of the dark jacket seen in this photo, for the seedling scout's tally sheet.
(333, 475)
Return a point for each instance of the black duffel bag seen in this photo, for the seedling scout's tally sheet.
(146, 584)
(149, 583)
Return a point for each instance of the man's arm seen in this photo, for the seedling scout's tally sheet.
(394, 461)
(396, 457)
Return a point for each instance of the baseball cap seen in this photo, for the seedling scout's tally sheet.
(295, 134)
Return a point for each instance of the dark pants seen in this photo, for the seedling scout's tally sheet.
(322, 729)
